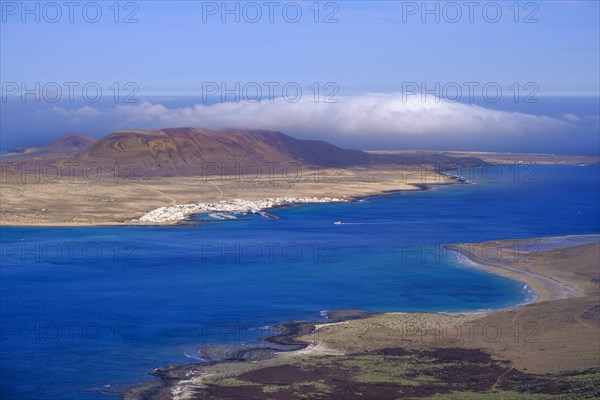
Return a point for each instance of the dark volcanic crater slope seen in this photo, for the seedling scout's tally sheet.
(189, 151)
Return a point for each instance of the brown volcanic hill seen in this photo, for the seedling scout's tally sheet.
(191, 151)
(61, 146)
(71, 143)
(201, 152)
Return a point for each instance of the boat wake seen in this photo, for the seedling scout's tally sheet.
(368, 223)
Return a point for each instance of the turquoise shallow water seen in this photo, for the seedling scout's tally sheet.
(85, 311)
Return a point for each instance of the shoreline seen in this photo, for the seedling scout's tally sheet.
(544, 287)
(106, 202)
(291, 334)
(125, 203)
(179, 214)
(287, 338)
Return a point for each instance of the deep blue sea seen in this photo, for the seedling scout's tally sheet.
(86, 311)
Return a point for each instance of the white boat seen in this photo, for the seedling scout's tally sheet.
(337, 223)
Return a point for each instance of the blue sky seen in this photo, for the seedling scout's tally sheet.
(170, 49)
(175, 47)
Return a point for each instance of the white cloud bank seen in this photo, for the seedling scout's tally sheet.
(571, 117)
(382, 115)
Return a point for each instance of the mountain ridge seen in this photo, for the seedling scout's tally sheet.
(188, 151)
(70, 143)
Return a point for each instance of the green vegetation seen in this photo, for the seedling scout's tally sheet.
(226, 381)
(403, 370)
(592, 378)
(300, 389)
(449, 374)
(504, 395)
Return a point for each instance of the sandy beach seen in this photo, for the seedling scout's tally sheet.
(381, 355)
(541, 279)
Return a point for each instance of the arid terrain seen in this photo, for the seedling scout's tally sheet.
(499, 158)
(549, 349)
(122, 201)
(75, 180)
(116, 180)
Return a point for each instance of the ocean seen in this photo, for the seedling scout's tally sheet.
(87, 311)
